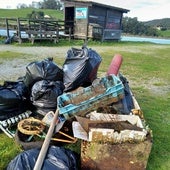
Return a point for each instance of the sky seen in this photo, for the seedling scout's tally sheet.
(144, 10)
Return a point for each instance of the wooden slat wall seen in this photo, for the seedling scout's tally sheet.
(35, 29)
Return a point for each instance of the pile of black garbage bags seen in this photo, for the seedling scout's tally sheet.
(44, 81)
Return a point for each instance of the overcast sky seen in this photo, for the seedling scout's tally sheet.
(144, 10)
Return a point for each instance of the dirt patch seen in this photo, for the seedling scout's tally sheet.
(155, 85)
(12, 70)
(159, 90)
(42, 52)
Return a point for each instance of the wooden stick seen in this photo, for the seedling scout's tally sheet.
(64, 140)
(46, 143)
(64, 134)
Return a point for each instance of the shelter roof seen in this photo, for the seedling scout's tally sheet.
(98, 3)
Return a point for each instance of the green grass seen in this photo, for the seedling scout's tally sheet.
(22, 13)
(165, 34)
(147, 68)
(156, 111)
(8, 150)
(8, 55)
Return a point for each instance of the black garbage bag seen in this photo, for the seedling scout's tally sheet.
(57, 158)
(127, 101)
(80, 68)
(42, 70)
(13, 99)
(44, 95)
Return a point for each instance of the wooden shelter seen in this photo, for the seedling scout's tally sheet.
(90, 19)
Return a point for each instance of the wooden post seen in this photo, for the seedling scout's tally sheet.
(69, 33)
(40, 29)
(19, 31)
(57, 34)
(29, 35)
(7, 27)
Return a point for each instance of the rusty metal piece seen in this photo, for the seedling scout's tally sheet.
(69, 140)
(138, 112)
(31, 126)
(106, 156)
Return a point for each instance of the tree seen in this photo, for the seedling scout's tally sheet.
(51, 4)
(133, 26)
(22, 6)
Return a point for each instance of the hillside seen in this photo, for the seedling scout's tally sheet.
(23, 12)
(164, 23)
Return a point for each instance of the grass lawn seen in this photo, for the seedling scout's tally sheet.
(165, 33)
(146, 66)
(22, 13)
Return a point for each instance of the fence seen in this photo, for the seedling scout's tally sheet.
(36, 29)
